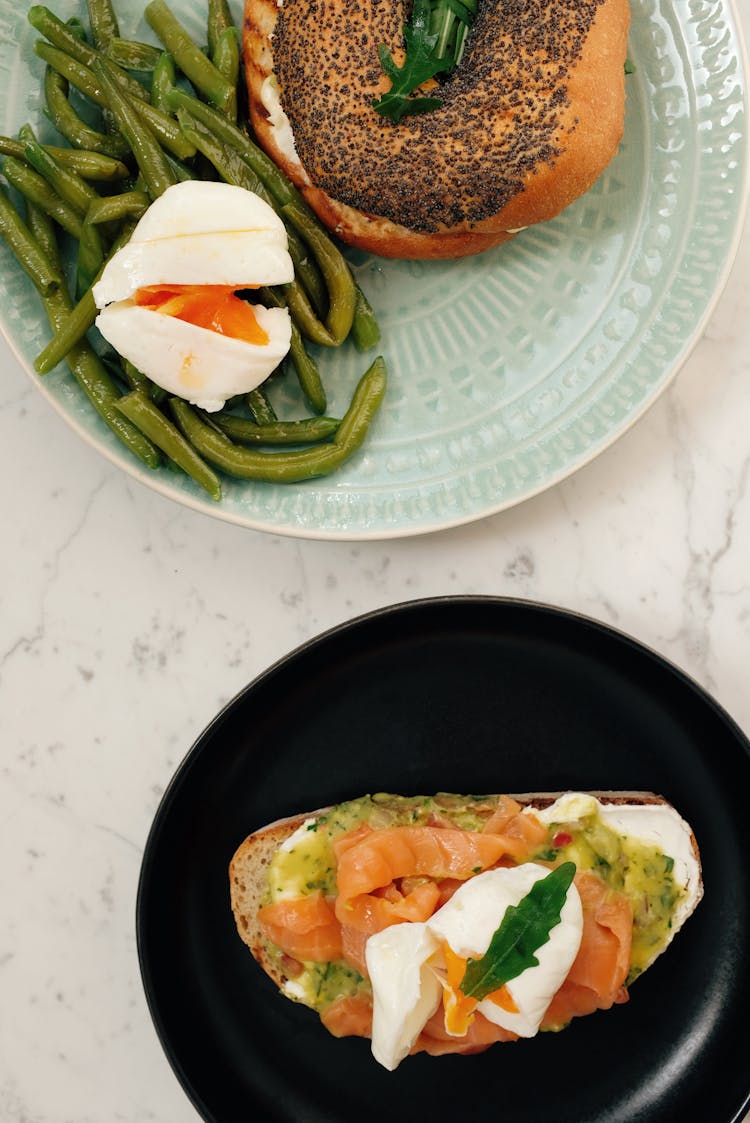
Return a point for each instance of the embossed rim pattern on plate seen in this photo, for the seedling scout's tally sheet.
(510, 371)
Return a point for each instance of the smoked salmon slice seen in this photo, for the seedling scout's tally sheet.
(522, 833)
(597, 977)
(349, 1016)
(303, 927)
(381, 857)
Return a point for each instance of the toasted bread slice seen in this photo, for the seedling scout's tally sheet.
(529, 119)
(249, 865)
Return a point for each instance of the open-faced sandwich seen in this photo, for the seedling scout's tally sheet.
(448, 923)
(511, 112)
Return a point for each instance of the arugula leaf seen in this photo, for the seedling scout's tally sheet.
(525, 927)
(435, 41)
(420, 64)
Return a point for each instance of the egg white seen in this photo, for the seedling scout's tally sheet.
(200, 233)
(405, 991)
(404, 961)
(199, 365)
(468, 921)
(197, 233)
(243, 260)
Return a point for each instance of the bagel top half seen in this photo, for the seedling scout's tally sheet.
(529, 119)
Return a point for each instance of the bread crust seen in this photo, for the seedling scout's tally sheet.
(564, 156)
(247, 883)
(249, 864)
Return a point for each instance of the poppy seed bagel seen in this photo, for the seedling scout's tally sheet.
(529, 119)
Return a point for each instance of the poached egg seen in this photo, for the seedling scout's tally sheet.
(413, 966)
(168, 298)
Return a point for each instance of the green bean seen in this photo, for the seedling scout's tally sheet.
(113, 208)
(162, 81)
(181, 171)
(190, 60)
(233, 169)
(304, 365)
(289, 467)
(33, 186)
(77, 322)
(365, 403)
(146, 150)
(69, 124)
(223, 129)
(92, 166)
(97, 385)
(71, 188)
(42, 229)
(75, 26)
(104, 211)
(147, 417)
(228, 163)
(260, 407)
(87, 368)
(131, 55)
(166, 131)
(69, 332)
(365, 329)
(226, 59)
(308, 430)
(91, 375)
(90, 257)
(341, 291)
(105, 29)
(304, 316)
(307, 271)
(101, 391)
(137, 380)
(307, 372)
(88, 165)
(54, 30)
(219, 20)
(33, 261)
(93, 378)
(103, 21)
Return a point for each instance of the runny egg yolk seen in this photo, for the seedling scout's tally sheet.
(214, 307)
(458, 1009)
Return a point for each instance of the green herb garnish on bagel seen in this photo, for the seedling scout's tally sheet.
(434, 40)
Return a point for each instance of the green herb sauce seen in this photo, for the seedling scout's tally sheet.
(309, 864)
(637, 869)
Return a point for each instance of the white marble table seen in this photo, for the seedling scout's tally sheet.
(126, 622)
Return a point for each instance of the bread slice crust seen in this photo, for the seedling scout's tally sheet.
(529, 120)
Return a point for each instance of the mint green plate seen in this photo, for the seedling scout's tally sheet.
(511, 370)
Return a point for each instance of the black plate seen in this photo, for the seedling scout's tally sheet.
(466, 695)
